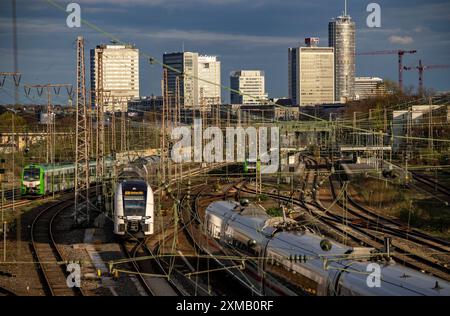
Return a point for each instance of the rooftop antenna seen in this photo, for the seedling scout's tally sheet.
(345, 8)
(183, 46)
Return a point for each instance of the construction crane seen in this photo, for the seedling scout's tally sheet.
(400, 54)
(421, 68)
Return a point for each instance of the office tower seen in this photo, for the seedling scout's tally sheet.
(251, 83)
(293, 75)
(199, 78)
(311, 74)
(209, 89)
(341, 36)
(186, 64)
(120, 75)
(369, 87)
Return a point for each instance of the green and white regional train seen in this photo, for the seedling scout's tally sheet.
(43, 179)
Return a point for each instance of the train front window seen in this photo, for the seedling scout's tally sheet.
(134, 203)
(32, 174)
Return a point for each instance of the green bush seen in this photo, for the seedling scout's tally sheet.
(275, 212)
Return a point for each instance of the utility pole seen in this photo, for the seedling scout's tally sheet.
(218, 115)
(5, 227)
(2, 171)
(408, 141)
(123, 122)
(82, 203)
(51, 117)
(90, 113)
(354, 129)
(164, 88)
(430, 129)
(17, 76)
(100, 131)
(113, 129)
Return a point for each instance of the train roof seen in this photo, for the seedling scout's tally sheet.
(134, 183)
(396, 279)
(62, 166)
(57, 166)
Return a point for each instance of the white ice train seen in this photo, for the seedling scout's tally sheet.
(299, 262)
(133, 209)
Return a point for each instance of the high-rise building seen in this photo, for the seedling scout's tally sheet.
(251, 84)
(209, 89)
(368, 87)
(186, 64)
(341, 36)
(199, 78)
(311, 74)
(120, 75)
(293, 75)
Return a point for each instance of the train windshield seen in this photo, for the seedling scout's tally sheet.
(134, 203)
(31, 174)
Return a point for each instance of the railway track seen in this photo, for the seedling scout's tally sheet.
(9, 193)
(6, 292)
(359, 234)
(391, 226)
(193, 232)
(47, 253)
(432, 185)
(386, 224)
(362, 233)
(23, 201)
(375, 223)
(132, 255)
(155, 275)
(19, 203)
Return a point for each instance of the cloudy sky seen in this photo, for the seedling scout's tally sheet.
(245, 34)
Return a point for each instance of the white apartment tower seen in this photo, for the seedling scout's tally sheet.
(311, 74)
(209, 89)
(120, 75)
(251, 84)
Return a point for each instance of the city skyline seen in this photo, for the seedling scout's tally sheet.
(258, 46)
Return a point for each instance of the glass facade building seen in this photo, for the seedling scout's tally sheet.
(341, 36)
